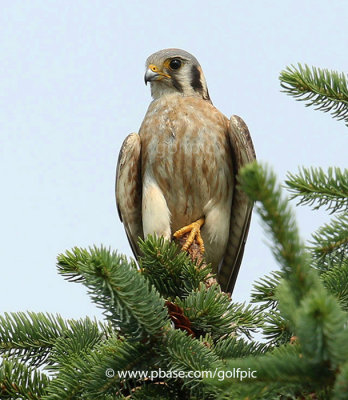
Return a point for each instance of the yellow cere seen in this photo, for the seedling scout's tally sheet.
(154, 68)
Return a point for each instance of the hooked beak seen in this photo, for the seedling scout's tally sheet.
(154, 74)
(150, 76)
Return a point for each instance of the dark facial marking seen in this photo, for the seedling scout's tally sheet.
(196, 79)
(196, 83)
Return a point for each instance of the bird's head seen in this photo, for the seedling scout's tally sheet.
(175, 71)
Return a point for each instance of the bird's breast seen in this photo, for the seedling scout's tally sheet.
(186, 151)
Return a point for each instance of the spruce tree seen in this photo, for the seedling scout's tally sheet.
(170, 333)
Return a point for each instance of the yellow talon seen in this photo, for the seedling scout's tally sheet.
(195, 231)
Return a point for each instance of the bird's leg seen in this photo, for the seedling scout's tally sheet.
(195, 232)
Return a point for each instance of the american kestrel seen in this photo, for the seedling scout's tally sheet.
(179, 173)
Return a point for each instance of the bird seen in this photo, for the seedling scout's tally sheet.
(178, 174)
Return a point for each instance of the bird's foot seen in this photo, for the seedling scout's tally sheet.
(195, 232)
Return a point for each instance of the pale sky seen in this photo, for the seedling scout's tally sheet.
(72, 88)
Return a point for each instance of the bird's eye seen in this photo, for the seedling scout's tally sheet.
(175, 63)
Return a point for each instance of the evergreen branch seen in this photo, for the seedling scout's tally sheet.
(318, 322)
(69, 264)
(183, 353)
(162, 391)
(276, 390)
(302, 297)
(273, 373)
(340, 389)
(233, 347)
(325, 90)
(94, 374)
(314, 186)
(116, 355)
(18, 381)
(265, 290)
(170, 270)
(31, 336)
(272, 391)
(276, 329)
(129, 302)
(211, 311)
(335, 280)
(331, 242)
(187, 354)
(208, 309)
(260, 185)
(81, 339)
(321, 328)
(247, 319)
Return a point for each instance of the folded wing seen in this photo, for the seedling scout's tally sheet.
(243, 153)
(129, 188)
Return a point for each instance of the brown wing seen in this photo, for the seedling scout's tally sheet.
(128, 189)
(243, 153)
